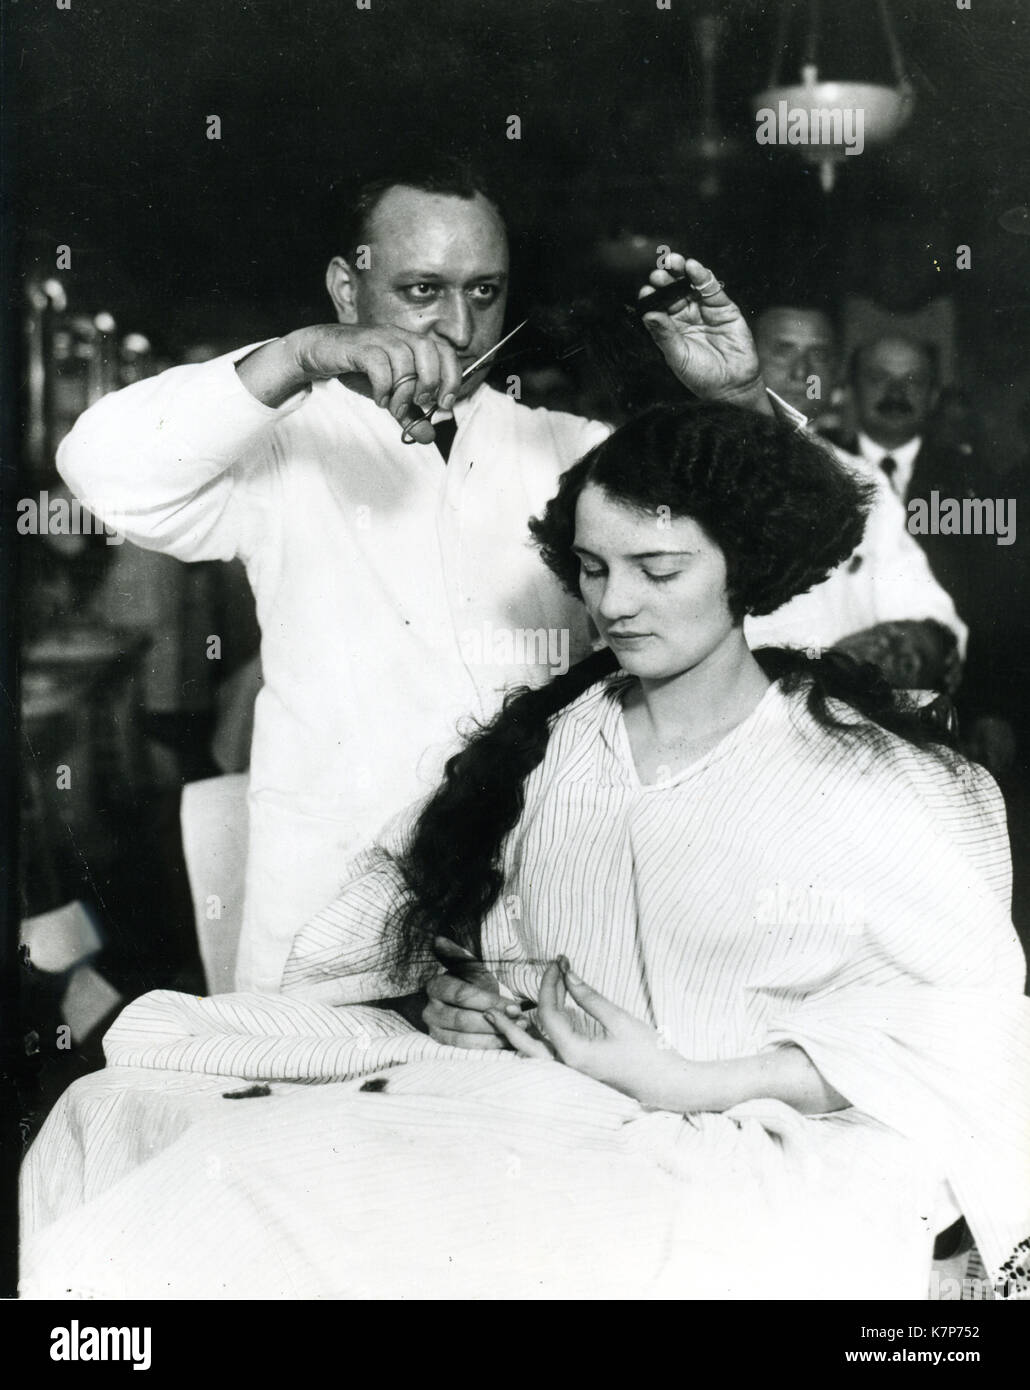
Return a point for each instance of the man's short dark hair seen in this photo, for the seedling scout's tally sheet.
(929, 351)
(802, 304)
(452, 175)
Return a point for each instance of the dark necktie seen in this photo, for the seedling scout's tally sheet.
(889, 464)
(445, 430)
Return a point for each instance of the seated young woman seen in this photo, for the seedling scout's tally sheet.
(740, 1010)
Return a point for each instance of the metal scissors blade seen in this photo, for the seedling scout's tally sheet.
(473, 367)
(490, 351)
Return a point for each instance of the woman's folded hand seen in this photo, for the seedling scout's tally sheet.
(457, 1008)
(636, 1059)
(632, 1057)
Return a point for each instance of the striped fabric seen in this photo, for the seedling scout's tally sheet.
(784, 887)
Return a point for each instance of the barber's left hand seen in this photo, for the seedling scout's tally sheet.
(706, 342)
(632, 1057)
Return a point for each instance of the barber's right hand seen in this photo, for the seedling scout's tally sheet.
(405, 372)
(456, 1008)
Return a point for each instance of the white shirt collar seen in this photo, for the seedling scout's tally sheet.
(904, 456)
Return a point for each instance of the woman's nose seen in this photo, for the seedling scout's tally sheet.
(619, 600)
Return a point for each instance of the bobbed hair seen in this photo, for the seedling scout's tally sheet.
(781, 508)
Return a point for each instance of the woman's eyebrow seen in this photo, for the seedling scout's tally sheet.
(660, 554)
(638, 555)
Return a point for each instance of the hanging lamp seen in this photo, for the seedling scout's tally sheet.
(826, 121)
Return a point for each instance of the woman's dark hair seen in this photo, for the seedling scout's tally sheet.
(781, 508)
(784, 513)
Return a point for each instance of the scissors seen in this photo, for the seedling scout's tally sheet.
(427, 415)
(461, 963)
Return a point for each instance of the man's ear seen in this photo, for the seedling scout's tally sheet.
(341, 283)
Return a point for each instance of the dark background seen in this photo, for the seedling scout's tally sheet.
(189, 239)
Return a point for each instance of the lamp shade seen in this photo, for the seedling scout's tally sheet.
(884, 110)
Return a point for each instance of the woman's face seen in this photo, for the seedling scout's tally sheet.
(655, 586)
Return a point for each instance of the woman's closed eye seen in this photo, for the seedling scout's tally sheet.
(656, 578)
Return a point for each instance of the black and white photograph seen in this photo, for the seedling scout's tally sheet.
(516, 623)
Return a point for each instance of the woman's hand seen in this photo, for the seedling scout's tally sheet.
(632, 1057)
(456, 1012)
(706, 343)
